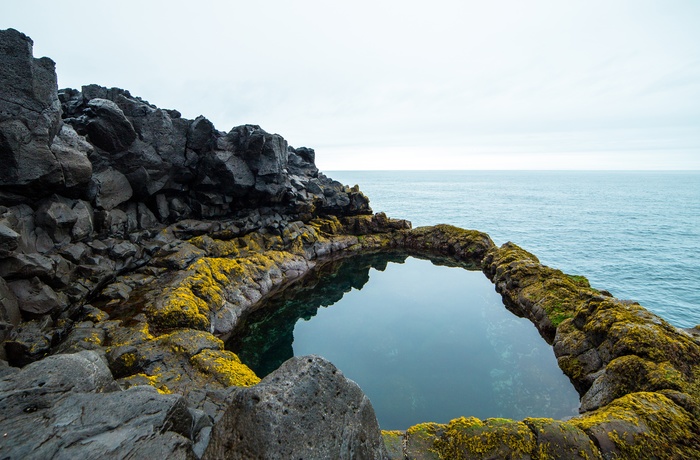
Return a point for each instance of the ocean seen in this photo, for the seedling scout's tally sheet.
(633, 233)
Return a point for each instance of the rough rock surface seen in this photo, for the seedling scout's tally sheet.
(279, 417)
(68, 406)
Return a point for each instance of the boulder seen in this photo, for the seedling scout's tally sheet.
(9, 240)
(72, 152)
(107, 127)
(110, 188)
(305, 409)
(36, 297)
(201, 135)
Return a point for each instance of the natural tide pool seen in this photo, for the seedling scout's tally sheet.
(425, 342)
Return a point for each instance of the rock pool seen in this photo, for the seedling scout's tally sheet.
(425, 342)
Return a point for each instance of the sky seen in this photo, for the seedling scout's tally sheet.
(539, 84)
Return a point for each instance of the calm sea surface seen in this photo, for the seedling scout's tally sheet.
(636, 234)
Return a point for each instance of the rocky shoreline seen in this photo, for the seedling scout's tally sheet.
(133, 241)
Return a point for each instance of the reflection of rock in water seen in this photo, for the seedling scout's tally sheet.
(264, 339)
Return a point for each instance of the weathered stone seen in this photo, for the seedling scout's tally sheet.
(74, 397)
(9, 315)
(200, 136)
(20, 265)
(72, 152)
(110, 188)
(291, 412)
(30, 341)
(9, 240)
(146, 219)
(107, 127)
(36, 297)
(83, 226)
(30, 117)
(562, 440)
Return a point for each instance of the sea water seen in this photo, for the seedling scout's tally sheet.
(635, 234)
(426, 343)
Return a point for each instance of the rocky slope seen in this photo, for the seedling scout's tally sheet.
(134, 241)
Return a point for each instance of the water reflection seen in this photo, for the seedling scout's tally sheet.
(425, 342)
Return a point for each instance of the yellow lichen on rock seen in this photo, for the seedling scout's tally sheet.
(179, 307)
(469, 438)
(643, 425)
(144, 379)
(225, 367)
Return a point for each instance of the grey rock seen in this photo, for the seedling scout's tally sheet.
(225, 172)
(36, 297)
(83, 226)
(75, 252)
(9, 315)
(55, 211)
(9, 240)
(20, 265)
(9, 308)
(30, 341)
(162, 205)
(68, 406)
(30, 117)
(305, 409)
(146, 219)
(107, 127)
(110, 188)
(201, 135)
(71, 151)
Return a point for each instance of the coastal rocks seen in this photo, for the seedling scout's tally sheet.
(68, 406)
(174, 231)
(30, 117)
(282, 416)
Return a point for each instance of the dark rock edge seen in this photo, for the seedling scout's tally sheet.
(127, 238)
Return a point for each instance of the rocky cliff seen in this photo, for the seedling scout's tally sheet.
(134, 241)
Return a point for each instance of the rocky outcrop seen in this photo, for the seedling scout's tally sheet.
(30, 118)
(70, 407)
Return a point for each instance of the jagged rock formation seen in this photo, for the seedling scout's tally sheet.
(133, 242)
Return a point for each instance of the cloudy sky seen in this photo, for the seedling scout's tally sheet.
(544, 84)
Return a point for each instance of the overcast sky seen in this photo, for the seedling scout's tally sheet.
(546, 84)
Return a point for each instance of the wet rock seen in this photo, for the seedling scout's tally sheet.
(56, 215)
(291, 412)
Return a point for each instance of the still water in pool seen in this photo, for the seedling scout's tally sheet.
(425, 342)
